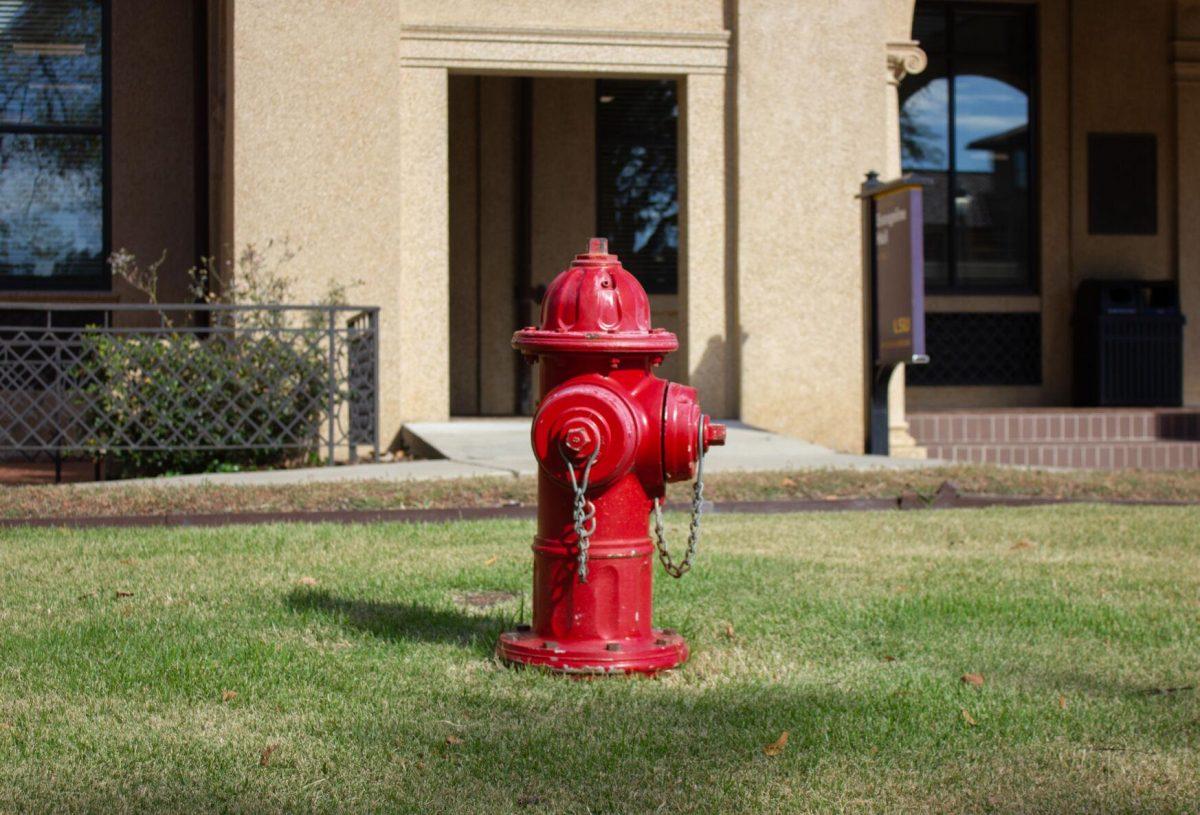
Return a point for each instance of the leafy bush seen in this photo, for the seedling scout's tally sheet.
(263, 393)
(252, 381)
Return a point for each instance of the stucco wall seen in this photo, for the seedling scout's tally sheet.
(607, 15)
(1133, 95)
(317, 129)
(810, 106)
(1187, 105)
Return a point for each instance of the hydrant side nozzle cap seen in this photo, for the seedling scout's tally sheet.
(714, 433)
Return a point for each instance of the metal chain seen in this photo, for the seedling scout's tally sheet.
(664, 555)
(584, 510)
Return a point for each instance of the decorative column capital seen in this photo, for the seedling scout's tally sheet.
(904, 58)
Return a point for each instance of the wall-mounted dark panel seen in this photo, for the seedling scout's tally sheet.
(1122, 184)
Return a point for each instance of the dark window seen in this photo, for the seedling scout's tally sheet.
(637, 147)
(52, 144)
(1122, 184)
(966, 127)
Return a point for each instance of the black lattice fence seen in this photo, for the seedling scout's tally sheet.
(172, 386)
(980, 349)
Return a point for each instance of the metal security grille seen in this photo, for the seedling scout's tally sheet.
(981, 349)
(297, 379)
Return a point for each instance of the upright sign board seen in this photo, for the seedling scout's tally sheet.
(895, 263)
(899, 275)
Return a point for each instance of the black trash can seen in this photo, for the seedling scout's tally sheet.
(1128, 344)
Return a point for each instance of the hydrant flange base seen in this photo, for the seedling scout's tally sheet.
(661, 651)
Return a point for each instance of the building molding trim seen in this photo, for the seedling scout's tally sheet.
(904, 58)
(550, 51)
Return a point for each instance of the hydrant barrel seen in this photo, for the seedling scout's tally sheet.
(607, 435)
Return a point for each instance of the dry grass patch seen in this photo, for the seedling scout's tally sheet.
(115, 499)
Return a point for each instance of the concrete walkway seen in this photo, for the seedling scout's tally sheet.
(500, 447)
(503, 444)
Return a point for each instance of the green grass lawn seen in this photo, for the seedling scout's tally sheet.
(298, 668)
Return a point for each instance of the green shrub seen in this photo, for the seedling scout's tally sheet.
(254, 389)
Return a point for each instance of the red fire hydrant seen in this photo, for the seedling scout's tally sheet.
(608, 435)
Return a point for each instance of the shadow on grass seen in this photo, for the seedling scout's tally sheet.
(408, 622)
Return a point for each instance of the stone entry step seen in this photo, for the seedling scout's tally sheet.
(1085, 455)
(1153, 438)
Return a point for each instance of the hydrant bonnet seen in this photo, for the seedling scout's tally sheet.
(595, 306)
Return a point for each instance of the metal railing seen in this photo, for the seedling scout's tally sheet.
(271, 381)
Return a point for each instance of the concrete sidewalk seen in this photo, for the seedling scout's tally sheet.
(504, 444)
(470, 448)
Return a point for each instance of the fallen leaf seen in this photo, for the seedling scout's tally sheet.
(788, 482)
(968, 718)
(729, 631)
(888, 658)
(228, 695)
(307, 581)
(484, 599)
(491, 560)
(776, 747)
(1062, 702)
(452, 740)
(123, 593)
(874, 750)
(127, 561)
(1023, 543)
(267, 752)
(972, 679)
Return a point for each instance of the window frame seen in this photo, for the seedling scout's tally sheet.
(1032, 284)
(89, 283)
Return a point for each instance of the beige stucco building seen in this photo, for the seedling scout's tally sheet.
(452, 155)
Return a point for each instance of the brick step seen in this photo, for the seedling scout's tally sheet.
(1150, 455)
(1055, 426)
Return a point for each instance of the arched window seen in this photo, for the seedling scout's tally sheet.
(966, 126)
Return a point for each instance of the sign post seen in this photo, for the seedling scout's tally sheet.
(895, 262)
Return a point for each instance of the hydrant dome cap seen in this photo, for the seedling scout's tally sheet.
(595, 305)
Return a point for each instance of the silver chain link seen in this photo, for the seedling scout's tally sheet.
(664, 554)
(584, 510)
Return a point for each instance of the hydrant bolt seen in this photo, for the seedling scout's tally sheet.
(577, 439)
